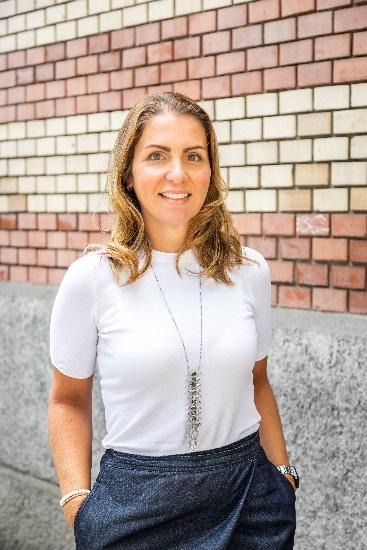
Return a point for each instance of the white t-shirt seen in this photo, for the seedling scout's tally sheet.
(128, 334)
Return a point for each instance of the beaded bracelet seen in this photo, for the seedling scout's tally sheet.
(72, 494)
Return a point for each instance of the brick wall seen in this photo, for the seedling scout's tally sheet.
(285, 82)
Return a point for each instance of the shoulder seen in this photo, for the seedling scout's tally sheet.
(84, 268)
(254, 254)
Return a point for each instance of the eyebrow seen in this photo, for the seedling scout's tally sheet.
(168, 149)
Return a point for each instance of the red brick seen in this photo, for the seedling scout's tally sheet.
(202, 22)
(234, 16)
(17, 96)
(134, 57)
(246, 83)
(35, 56)
(358, 302)
(65, 257)
(16, 59)
(35, 92)
(55, 88)
(76, 239)
(67, 221)
(315, 24)
(187, 47)
(87, 104)
(65, 106)
(350, 70)
(56, 239)
(145, 34)
(146, 76)
(314, 74)
(46, 257)
(281, 272)
(201, 67)
(312, 224)
(360, 43)
(4, 237)
(295, 52)
(98, 43)
(37, 275)
(123, 38)
(18, 273)
(295, 297)
(216, 42)
(121, 79)
(247, 224)
(45, 109)
(3, 62)
(54, 52)
(265, 245)
(278, 224)
(290, 7)
(351, 19)
(37, 239)
(25, 75)
(157, 53)
(247, 36)
(65, 69)
(311, 274)
(87, 65)
(173, 28)
(110, 61)
(27, 256)
(44, 72)
(263, 10)
(110, 101)
(344, 276)
(8, 79)
(26, 111)
(160, 88)
(329, 299)
(98, 83)
(55, 276)
(259, 58)
(18, 238)
(233, 62)
(9, 255)
(296, 248)
(8, 114)
(191, 88)
(130, 97)
(219, 86)
(349, 225)
(279, 78)
(76, 86)
(26, 220)
(329, 47)
(280, 31)
(326, 4)
(171, 72)
(358, 251)
(77, 47)
(329, 249)
(46, 221)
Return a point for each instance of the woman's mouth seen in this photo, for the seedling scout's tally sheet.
(173, 200)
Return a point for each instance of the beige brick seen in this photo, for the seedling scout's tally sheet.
(102, 181)
(331, 97)
(349, 173)
(111, 20)
(265, 152)
(66, 183)
(27, 184)
(16, 167)
(135, 15)
(37, 203)
(55, 203)
(4, 204)
(212, 4)
(97, 203)
(76, 202)
(55, 126)
(189, 6)
(117, 119)
(46, 146)
(36, 128)
(232, 155)
(279, 126)
(76, 9)
(26, 147)
(44, 3)
(55, 165)
(359, 95)
(26, 39)
(298, 150)
(107, 140)
(96, 6)
(224, 173)
(16, 23)
(333, 148)
(55, 14)
(160, 9)
(314, 124)
(223, 130)
(330, 200)
(17, 203)
(76, 124)
(261, 200)
(261, 104)
(246, 130)
(97, 162)
(46, 184)
(295, 199)
(87, 26)
(244, 176)
(276, 175)
(66, 30)
(35, 19)
(16, 130)
(235, 201)
(8, 185)
(3, 29)
(358, 147)
(4, 132)
(8, 43)
(350, 122)
(87, 183)
(229, 108)
(312, 174)
(208, 106)
(65, 145)
(76, 164)
(121, 3)
(295, 101)
(98, 122)
(358, 199)
(3, 167)
(87, 143)
(8, 149)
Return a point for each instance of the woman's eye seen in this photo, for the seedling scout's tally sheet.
(158, 153)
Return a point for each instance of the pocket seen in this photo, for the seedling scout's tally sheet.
(82, 506)
(283, 479)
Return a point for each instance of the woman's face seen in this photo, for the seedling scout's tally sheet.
(171, 156)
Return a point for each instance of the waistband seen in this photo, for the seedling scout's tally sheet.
(242, 450)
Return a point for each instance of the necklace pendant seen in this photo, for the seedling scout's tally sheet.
(194, 409)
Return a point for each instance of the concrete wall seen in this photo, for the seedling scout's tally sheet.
(317, 367)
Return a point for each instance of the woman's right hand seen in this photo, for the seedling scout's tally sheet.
(71, 508)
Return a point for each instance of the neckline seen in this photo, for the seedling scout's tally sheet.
(170, 257)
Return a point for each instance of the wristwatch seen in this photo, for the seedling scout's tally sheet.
(287, 469)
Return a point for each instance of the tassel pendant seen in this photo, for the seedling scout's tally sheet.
(194, 409)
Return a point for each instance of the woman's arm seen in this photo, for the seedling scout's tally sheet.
(271, 431)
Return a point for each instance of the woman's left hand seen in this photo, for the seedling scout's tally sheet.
(291, 480)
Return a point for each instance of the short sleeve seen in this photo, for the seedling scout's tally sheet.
(73, 331)
(261, 284)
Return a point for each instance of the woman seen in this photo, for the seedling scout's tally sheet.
(181, 348)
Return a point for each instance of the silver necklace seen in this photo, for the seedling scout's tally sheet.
(192, 380)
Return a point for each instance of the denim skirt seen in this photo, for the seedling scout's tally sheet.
(230, 497)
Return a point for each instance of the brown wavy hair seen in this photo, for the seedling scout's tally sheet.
(210, 233)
